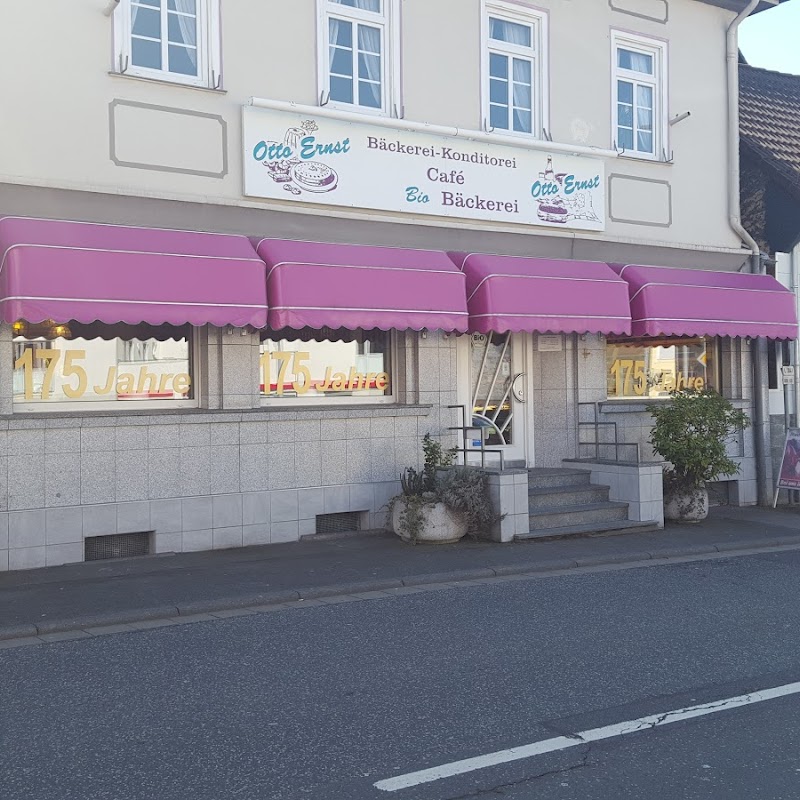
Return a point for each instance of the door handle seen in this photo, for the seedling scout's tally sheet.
(518, 391)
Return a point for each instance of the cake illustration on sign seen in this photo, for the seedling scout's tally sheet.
(561, 198)
(289, 169)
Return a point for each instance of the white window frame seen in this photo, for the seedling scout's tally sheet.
(657, 49)
(540, 78)
(389, 23)
(123, 407)
(209, 48)
(325, 402)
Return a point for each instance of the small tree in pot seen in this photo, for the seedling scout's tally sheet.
(690, 432)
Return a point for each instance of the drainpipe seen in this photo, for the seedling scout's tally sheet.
(795, 267)
(761, 432)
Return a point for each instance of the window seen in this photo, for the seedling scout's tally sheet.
(651, 368)
(514, 67)
(321, 366)
(357, 65)
(100, 366)
(175, 40)
(639, 94)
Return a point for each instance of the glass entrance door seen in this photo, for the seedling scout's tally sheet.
(496, 392)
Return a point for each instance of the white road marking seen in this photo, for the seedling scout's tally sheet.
(584, 737)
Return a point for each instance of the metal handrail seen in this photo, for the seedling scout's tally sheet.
(595, 424)
(464, 428)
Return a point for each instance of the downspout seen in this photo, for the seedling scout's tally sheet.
(761, 431)
(795, 264)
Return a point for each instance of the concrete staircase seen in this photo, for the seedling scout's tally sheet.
(562, 502)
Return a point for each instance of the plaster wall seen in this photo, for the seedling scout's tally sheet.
(73, 122)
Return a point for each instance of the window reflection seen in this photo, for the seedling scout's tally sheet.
(651, 368)
(325, 364)
(100, 363)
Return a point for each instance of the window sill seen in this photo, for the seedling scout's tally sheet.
(189, 415)
(365, 111)
(644, 159)
(523, 137)
(628, 406)
(166, 82)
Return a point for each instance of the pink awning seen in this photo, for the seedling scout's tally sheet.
(52, 269)
(315, 285)
(693, 302)
(508, 293)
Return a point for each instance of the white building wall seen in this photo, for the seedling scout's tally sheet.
(70, 121)
(80, 141)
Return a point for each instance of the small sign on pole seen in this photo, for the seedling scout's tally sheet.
(788, 375)
(789, 475)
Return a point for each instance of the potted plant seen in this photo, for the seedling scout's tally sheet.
(690, 432)
(442, 503)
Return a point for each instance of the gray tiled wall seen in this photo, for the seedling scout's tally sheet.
(230, 474)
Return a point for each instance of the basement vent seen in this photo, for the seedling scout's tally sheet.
(339, 523)
(119, 545)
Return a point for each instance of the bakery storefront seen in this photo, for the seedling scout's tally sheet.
(175, 390)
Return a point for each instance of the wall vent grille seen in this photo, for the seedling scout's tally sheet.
(118, 545)
(339, 523)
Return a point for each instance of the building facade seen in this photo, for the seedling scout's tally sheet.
(254, 251)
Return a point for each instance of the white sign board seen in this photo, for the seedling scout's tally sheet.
(788, 374)
(549, 343)
(305, 158)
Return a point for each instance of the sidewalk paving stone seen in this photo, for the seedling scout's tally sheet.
(144, 592)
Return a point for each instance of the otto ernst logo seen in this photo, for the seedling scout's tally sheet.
(561, 197)
(293, 162)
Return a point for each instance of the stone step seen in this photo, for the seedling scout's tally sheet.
(559, 516)
(542, 478)
(586, 529)
(566, 496)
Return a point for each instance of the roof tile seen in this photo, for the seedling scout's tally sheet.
(769, 123)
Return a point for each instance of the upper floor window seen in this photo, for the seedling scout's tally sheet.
(639, 95)
(175, 40)
(357, 64)
(514, 66)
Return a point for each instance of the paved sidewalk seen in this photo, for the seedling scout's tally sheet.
(78, 596)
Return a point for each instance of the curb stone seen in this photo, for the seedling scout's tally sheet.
(450, 576)
(536, 567)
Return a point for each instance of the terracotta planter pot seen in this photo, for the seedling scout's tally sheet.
(440, 526)
(688, 505)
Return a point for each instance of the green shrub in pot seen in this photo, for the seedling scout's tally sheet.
(690, 432)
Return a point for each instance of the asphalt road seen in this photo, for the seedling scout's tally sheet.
(325, 701)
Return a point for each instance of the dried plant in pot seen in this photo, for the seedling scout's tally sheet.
(442, 503)
(690, 432)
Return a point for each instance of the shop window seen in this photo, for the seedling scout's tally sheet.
(651, 368)
(514, 67)
(174, 40)
(357, 63)
(96, 366)
(326, 366)
(639, 95)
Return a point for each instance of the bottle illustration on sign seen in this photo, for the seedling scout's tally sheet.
(288, 162)
(562, 198)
